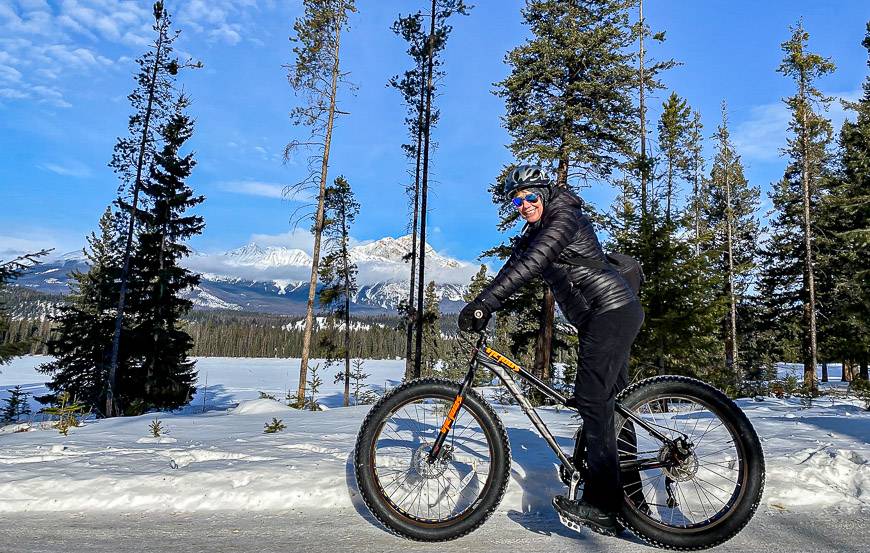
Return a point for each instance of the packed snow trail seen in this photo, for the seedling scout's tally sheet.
(214, 467)
(346, 531)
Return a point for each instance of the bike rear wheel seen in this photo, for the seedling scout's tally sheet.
(423, 500)
(702, 495)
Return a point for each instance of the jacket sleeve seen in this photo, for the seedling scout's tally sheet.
(543, 249)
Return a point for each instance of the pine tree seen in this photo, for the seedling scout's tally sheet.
(431, 345)
(730, 213)
(337, 271)
(9, 271)
(439, 30)
(456, 362)
(673, 129)
(316, 75)
(844, 242)
(695, 167)
(82, 344)
(411, 85)
(152, 103)
(790, 252)
(568, 102)
(164, 375)
(16, 406)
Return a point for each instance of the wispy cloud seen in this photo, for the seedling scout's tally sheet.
(68, 169)
(32, 240)
(41, 44)
(763, 134)
(254, 188)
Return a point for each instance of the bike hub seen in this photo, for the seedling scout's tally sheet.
(679, 460)
(433, 469)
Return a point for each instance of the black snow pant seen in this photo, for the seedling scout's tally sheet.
(605, 345)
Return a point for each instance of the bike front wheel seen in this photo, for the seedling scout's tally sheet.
(703, 487)
(424, 499)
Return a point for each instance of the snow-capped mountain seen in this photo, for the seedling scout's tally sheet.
(275, 279)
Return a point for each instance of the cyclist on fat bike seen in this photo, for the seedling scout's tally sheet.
(597, 301)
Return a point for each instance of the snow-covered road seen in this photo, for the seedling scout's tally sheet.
(346, 531)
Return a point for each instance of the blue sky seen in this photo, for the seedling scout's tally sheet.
(66, 68)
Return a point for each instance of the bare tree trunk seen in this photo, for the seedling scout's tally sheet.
(112, 408)
(641, 85)
(810, 307)
(544, 340)
(697, 205)
(864, 372)
(670, 190)
(318, 231)
(346, 260)
(824, 371)
(410, 355)
(418, 354)
(846, 373)
(731, 355)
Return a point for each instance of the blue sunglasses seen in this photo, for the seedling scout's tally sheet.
(531, 198)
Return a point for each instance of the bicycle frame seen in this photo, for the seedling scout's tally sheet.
(505, 369)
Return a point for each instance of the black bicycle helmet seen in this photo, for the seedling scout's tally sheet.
(525, 176)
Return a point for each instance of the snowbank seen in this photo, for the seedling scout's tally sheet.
(217, 457)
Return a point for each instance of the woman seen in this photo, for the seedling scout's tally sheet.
(598, 302)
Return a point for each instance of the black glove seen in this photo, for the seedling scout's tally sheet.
(475, 316)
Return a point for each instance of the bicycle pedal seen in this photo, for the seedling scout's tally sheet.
(569, 523)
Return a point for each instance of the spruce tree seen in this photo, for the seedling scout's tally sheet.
(16, 406)
(730, 213)
(698, 199)
(568, 102)
(338, 272)
(82, 344)
(151, 101)
(315, 74)
(432, 343)
(844, 243)
(164, 375)
(674, 127)
(791, 251)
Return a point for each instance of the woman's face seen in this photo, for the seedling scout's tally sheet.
(530, 211)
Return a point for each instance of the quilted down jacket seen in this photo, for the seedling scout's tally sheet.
(562, 233)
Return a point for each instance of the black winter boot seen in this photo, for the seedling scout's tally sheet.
(573, 514)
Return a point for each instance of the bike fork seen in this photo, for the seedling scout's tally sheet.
(452, 413)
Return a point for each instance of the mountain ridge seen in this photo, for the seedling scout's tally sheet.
(274, 279)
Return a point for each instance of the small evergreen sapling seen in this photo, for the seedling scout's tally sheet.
(314, 384)
(16, 406)
(362, 392)
(156, 427)
(68, 411)
(275, 426)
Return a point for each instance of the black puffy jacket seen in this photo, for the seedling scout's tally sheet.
(563, 232)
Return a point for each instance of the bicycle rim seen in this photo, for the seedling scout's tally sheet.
(702, 490)
(436, 493)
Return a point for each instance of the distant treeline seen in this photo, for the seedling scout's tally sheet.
(243, 334)
(224, 333)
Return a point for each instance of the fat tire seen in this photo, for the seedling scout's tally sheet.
(494, 487)
(747, 503)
